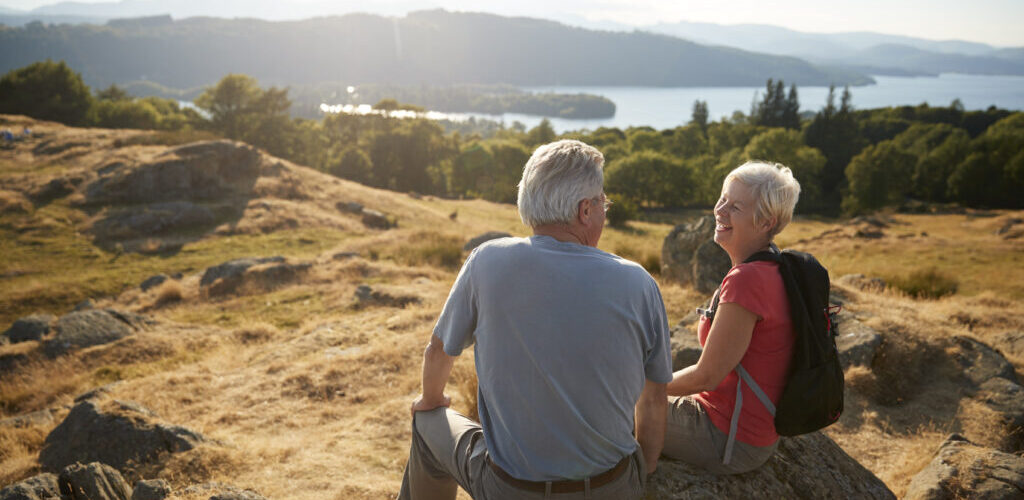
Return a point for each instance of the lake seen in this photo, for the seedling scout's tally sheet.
(662, 108)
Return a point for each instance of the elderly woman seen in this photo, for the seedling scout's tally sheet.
(750, 327)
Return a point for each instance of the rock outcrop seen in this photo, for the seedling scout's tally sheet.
(981, 362)
(29, 328)
(40, 487)
(367, 296)
(92, 327)
(94, 481)
(962, 469)
(264, 273)
(691, 257)
(114, 433)
(212, 170)
(153, 489)
(809, 467)
(857, 342)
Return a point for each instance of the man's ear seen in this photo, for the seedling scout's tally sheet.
(583, 211)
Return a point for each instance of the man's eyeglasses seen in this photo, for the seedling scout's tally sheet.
(603, 199)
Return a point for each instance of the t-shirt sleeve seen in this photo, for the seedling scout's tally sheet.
(457, 322)
(745, 286)
(658, 360)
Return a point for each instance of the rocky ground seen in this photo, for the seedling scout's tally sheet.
(253, 329)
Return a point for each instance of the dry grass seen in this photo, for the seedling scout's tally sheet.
(307, 397)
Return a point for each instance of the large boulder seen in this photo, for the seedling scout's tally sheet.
(115, 433)
(152, 489)
(92, 327)
(1005, 399)
(378, 220)
(690, 256)
(152, 220)
(212, 170)
(220, 491)
(95, 481)
(233, 269)
(981, 362)
(29, 328)
(41, 487)
(962, 469)
(686, 347)
(857, 342)
(811, 466)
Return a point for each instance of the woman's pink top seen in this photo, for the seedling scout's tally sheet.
(758, 288)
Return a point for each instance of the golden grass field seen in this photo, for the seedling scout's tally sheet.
(308, 395)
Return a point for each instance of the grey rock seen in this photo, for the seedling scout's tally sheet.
(962, 469)
(233, 269)
(113, 433)
(367, 296)
(29, 328)
(84, 305)
(212, 170)
(811, 466)
(95, 481)
(862, 282)
(97, 392)
(377, 220)
(10, 361)
(349, 207)
(980, 362)
(152, 489)
(39, 487)
(483, 238)
(685, 348)
(151, 220)
(690, 256)
(857, 342)
(40, 417)
(93, 327)
(345, 255)
(153, 281)
(1006, 399)
(265, 274)
(54, 189)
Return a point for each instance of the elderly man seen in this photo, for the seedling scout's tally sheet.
(572, 355)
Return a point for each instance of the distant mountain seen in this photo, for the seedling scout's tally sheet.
(875, 52)
(262, 9)
(431, 47)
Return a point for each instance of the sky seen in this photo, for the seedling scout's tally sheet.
(996, 22)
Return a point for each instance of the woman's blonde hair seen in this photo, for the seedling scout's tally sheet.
(774, 188)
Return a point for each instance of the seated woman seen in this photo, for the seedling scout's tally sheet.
(750, 327)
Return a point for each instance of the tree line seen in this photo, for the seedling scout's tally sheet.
(847, 160)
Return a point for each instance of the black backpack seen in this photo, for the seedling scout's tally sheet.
(813, 396)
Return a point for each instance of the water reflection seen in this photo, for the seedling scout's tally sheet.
(366, 109)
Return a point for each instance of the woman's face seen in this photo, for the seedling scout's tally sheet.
(735, 230)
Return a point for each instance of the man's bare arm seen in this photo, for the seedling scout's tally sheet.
(651, 415)
(437, 367)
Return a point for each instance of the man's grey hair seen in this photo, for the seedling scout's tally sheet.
(774, 187)
(556, 178)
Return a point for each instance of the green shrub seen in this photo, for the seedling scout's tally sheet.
(622, 211)
(926, 284)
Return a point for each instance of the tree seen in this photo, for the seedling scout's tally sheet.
(651, 177)
(835, 133)
(543, 133)
(776, 109)
(113, 93)
(784, 146)
(699, 116)
(241, 110)
(878, 176)
(353, 164)
(46, 90)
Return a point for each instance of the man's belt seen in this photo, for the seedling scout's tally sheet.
(562, 486)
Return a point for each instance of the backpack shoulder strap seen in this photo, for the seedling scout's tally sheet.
(744, 376)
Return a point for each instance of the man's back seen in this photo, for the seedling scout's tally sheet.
(565, 337)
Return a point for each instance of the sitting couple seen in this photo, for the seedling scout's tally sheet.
(576, 396)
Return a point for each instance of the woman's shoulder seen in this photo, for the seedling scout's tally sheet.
(760, 270)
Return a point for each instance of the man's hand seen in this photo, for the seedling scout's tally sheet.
(437, 366)
(421, 404)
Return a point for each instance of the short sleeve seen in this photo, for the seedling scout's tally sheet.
(745, 286)
(658, 355)
(457, 322)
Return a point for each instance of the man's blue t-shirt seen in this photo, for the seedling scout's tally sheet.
(565, 336)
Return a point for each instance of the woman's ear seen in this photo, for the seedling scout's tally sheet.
(769, 224)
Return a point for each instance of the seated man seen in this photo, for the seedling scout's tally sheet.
(571, 347)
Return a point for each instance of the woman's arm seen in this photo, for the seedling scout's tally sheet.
(726, 344)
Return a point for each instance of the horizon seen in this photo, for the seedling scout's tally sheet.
(991, 22)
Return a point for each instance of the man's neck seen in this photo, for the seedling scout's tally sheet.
(562, 232)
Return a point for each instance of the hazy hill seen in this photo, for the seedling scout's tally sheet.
(434, 47)
(882, 53)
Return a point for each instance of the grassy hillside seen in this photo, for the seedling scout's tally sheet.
(306, 390)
